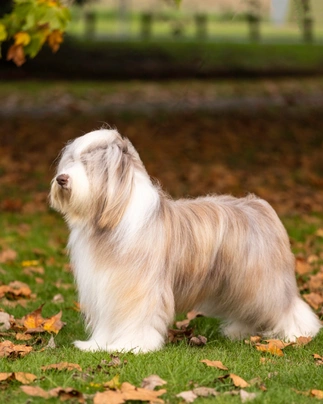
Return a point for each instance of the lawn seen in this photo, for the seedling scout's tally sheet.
(275, 153)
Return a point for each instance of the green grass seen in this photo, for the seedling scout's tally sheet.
(42, 237)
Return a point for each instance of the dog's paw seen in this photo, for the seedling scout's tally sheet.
(90, 346)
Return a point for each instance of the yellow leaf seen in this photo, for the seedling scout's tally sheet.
(34, 320)
(113, 384)
(54, 39)
(22, 38)
(270, 348)
(54, 324)
(30, 263)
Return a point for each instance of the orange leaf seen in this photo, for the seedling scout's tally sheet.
(5, 376)
(215, 364)
(7, 255)
(238, 381)
(317, 394)
(270, 348)
(54, 39)
(130, 392)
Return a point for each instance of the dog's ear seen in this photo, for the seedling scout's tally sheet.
(119, 187)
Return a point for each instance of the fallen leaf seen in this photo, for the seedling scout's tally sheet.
(14, 290)
(109, 397)
(279, 343)
(314, 300)
(205, 391)
(7, 255)
(54, 323)
(67, 394)
(23, 337)
(175, 336)
(30, 263)
(152, 381)
(200, 340)
(35, 391)
(317, 394)
(128, 392)
(113, 384)
(191, 315)
(317, 356)
(245, 396)
(34, 322)
(51, 343)
(238, 381)
(5, 324)
(188, 396)
(302, 266)
(215, 364)
(58, 299)
(270, 348)
(5, 376)
(62, 366)
(32, 270)
(25, 378)
(8, 349)
(303, 340)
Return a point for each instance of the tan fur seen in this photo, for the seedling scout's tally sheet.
(141, 257)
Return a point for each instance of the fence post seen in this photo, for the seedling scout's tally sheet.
(254, 27)
(146, 25)
(90, 24)
(201, 26)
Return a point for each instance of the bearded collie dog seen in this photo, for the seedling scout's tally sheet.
(139, 257)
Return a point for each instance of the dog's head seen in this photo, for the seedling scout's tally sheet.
(94, 179)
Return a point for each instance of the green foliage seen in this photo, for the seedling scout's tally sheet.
(30, 25)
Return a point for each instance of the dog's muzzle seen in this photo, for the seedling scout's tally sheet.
(62, 180)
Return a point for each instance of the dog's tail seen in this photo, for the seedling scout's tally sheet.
(298, 321)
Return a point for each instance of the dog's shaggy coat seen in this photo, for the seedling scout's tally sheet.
(139, 257)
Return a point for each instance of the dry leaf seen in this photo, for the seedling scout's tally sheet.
(317, 356)
(152, 381)
(51, 343)
(245, 396)
(16, 54)
(23, 337)
(5, 376)
(8, 349)
(270, 348)
(279, 343)
(109, 397)
(34, 322)
(62, 366)
(205, 391)
(113, 384)
(131, 392)
(31, 270)
(314, 300)
(128, 392)
(54, 324)
(190, 316)
(303, 340)
(317, 394)
(15, 290)
(5, 324)
(35, 391)
(302, 266)
(58, 299)
(238, 381)
(187, 396)
(25, 378)
(215, 364)
(7, 255)
(200, 340)
(67, 394)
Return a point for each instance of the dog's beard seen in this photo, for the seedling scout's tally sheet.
(139, 256)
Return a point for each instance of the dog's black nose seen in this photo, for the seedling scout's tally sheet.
(62, 179)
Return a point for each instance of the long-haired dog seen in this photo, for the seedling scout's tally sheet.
(139, 257)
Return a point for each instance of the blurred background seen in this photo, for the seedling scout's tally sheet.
(218, 96)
